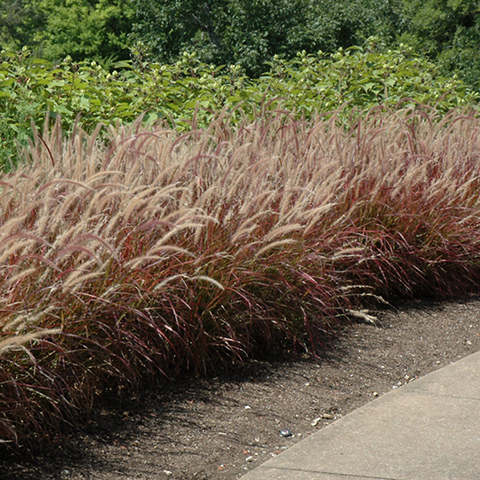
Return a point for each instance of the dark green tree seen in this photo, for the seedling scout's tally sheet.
(94, 29)
(251, 32)
(447, 31)
(19, 20)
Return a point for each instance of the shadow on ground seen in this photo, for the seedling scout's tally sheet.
(222, 426)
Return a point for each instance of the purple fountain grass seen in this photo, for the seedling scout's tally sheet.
(126, 262)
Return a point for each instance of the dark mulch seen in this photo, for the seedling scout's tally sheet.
(221, 427)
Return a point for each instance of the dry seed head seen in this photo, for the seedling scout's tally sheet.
(66, 236)
(284, 230)
(110, 292)
(136, 201)
(177, 230)
(81, 252)
(211, 280)
(364, 316)
(94, 239)
(279, 243)
(236, 186)
(170, 279)
(46, 276)
(348, 253)
(7, 228)
(75, 280)
(169, 248)
(252, 218)
(18, 323)
(112, 226)
(59, 225)
(152, 260)
(95, 207)
(18, 248)
(63, 181)
(211, 194)
(17, 341)
(178, 216)
(244, 231)
(318, 211)
(255, 207)
(201, 227)
(85, 268)
(75, 200)
(27, 319)
(92, 181)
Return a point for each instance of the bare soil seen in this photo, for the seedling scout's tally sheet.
(221, 427)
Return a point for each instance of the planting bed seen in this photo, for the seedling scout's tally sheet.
(202, 428)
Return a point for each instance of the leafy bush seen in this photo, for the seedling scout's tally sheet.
(124, 263)
(358, 78)
(362, 78)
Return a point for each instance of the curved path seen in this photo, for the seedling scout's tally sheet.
(426, 430)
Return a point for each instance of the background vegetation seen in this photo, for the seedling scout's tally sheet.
(308, 84)
(251, 33)
(447, 31)
(93, 29)
(242, 32)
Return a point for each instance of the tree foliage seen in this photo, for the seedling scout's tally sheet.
(93, 29)
(249, 33)
(447, 31)
(19, 20)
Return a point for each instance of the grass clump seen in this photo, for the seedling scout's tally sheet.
(125, 263)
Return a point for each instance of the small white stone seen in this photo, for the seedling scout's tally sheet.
(315, 422)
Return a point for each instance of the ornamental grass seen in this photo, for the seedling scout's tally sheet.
(127, 262)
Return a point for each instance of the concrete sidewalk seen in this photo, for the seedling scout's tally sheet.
(426, 430)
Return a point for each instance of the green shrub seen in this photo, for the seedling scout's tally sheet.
(356, 78)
